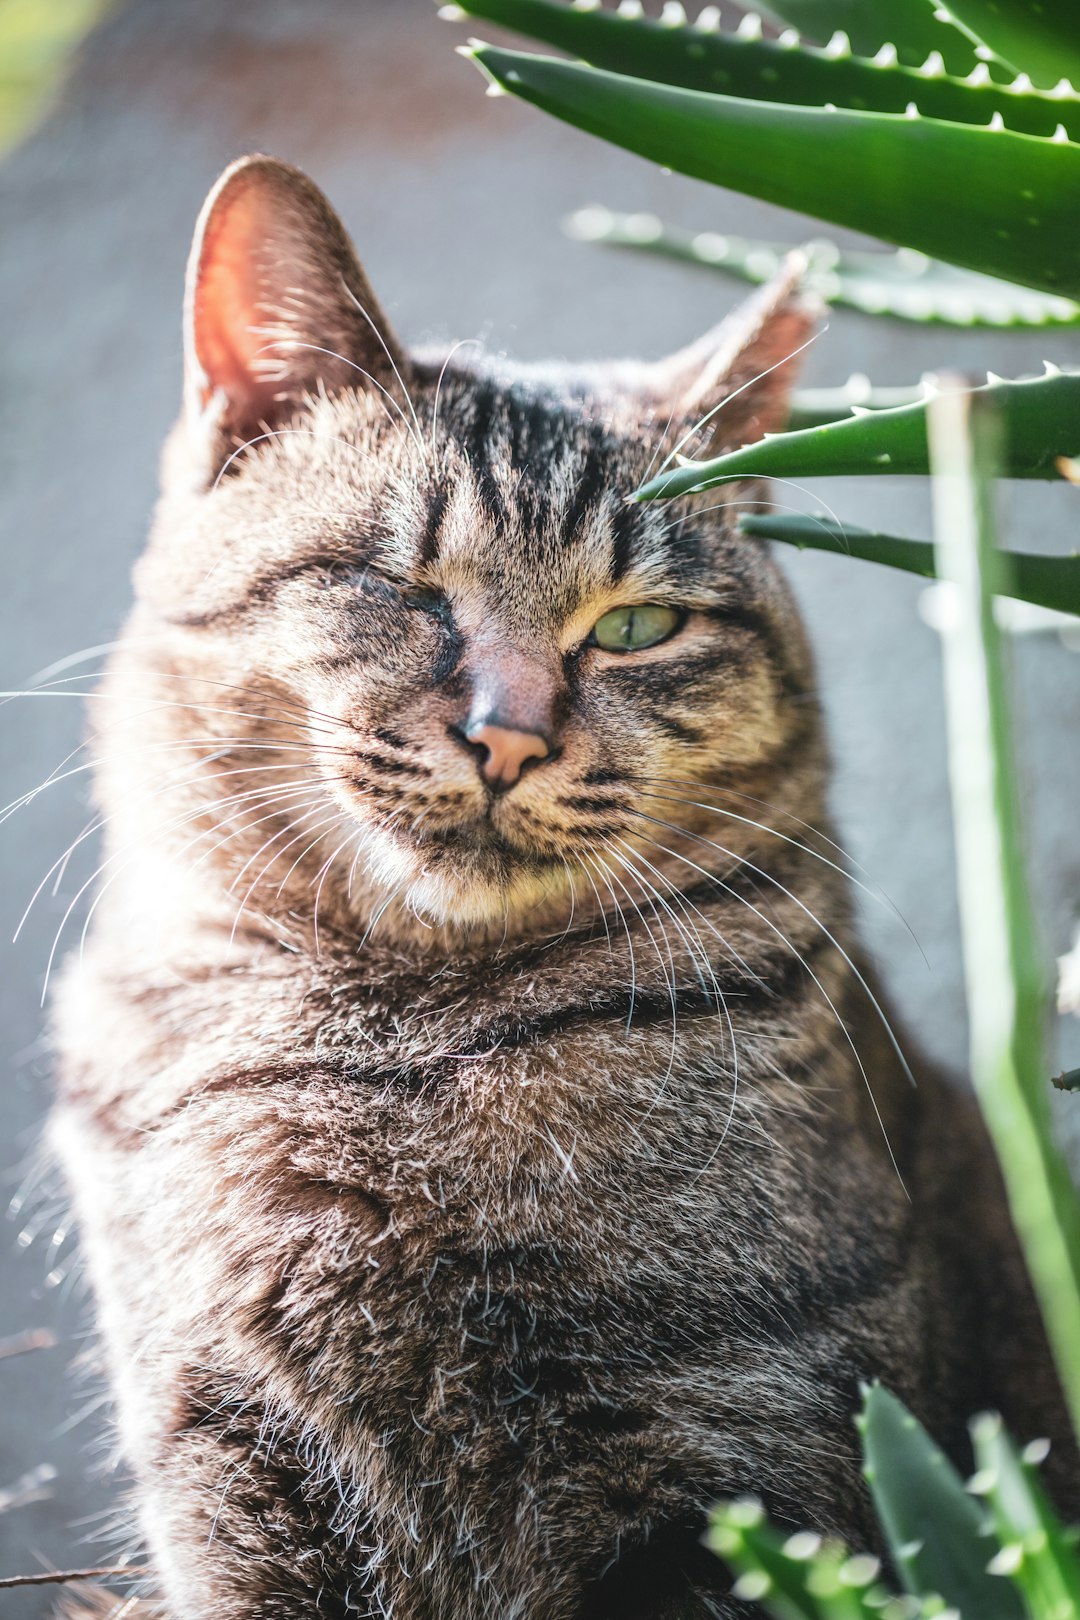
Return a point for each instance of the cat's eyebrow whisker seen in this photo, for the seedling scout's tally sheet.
(281, 433)
(735, 392)
(460, 344)
(734, 894)
(385, 347)
(660, 442)
(744, 500)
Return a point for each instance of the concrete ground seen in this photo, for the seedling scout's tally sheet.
(455, 203)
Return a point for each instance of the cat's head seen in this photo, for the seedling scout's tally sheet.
(412, 611)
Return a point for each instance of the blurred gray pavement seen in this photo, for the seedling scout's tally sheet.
(454, 201)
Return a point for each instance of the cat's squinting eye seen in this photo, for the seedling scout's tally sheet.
(427, 601)
(630, 629)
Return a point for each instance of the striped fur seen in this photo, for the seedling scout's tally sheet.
(475, 1189)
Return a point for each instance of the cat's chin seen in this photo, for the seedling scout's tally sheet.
(457, 881)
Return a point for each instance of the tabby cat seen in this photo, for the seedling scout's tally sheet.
(488, 1146)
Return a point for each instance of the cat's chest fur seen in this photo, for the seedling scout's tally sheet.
(482, 1229)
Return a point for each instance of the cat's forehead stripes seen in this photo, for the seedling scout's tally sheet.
(543, 481)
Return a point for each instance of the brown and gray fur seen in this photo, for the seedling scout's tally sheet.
(475, 1187)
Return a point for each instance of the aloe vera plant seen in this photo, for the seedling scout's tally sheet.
(904, 285)
(1049, 582)
(966, 107)
(991, 1549)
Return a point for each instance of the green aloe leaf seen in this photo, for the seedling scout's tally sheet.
(798, 1577)
(1049, 582)
(1037, 1552)
(766, 70)
(905, 285)
(914, 27)
(938, 1535)
(1038, 37)
(993, 201)
(1005, 970)
(1040, 418)
(811, 407)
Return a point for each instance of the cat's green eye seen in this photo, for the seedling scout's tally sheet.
(629, 629)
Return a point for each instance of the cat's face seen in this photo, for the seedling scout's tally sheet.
(499, 677)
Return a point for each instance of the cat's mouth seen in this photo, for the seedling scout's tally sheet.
(478, 836)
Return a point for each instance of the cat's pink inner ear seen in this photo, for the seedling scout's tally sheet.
(232, 343)
(278, 308)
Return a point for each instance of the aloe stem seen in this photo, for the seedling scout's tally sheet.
(1049, 582)
(1007, 984)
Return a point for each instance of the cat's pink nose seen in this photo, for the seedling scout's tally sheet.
(504, 752)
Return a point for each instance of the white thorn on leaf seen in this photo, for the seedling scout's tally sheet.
(673, 14)
(452, 13)
(911, 111)
(790, 38)
(749, 26)
(495, 89)
(933, 67)
(839, 46)
(1060, 136)
(708, 19)
(590, 224)
(996, 121)
(857, 386)
(993, 380)
(1022, 84)
(711, 246)
(1062, 89)
(1050, 370)
(861, 410)
(586, 5)
(642, 228)
(980, 74)
(631, 9)
(886, 57)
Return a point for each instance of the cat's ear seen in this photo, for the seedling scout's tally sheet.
(736, 380)
(276, 310)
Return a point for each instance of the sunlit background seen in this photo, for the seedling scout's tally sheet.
(455, 203)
